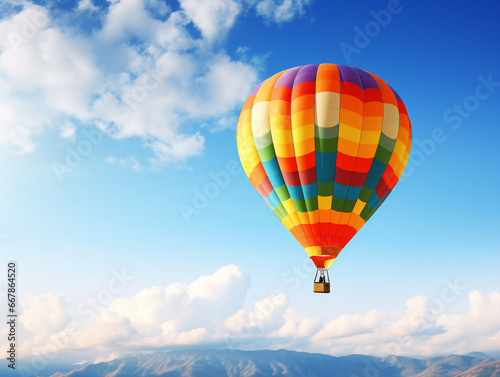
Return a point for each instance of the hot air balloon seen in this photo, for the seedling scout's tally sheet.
(324, 145)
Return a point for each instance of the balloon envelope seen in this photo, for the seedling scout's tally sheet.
(324, 145)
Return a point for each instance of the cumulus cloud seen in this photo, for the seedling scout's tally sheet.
(296, 326)
(178, 314)
(478, 328)
(266, 316)
(212, 311)
(179, 149)
(211, 17)
(139, 72)
(105, 359)
(68, 131)
(44, 315)
(164, 313)
(281, 11)
(44, 73)
(108, 327)
(87, 5)
(423, 329)
(142, 73)
(127, 162)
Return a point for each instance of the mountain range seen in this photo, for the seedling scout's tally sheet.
(235, 363)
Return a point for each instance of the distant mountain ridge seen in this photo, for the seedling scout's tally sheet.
(235, 363)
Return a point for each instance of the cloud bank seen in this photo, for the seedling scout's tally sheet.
(211, 311)
(133, 69)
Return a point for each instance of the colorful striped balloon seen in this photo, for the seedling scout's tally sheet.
(324, 145)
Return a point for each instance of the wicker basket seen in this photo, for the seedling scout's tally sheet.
(321, 287)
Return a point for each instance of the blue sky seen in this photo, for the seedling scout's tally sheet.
(159, 85)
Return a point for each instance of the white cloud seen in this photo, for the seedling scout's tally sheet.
(45, 75)
(128, 18)
(297, 326)
(68, 131)
(179, 150)
(220, 286)
(142, 74)
(105, 359)
(55, 68)
(178, 306)
(477, 329)
(351, 325)
(210, 311)
(266, 316)
(131, 162)
(422, 330)
(87, 5)
(127, 162)
(213, 17)
(108, 327)
(281, 11)
(154, 317)
(44, 315)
